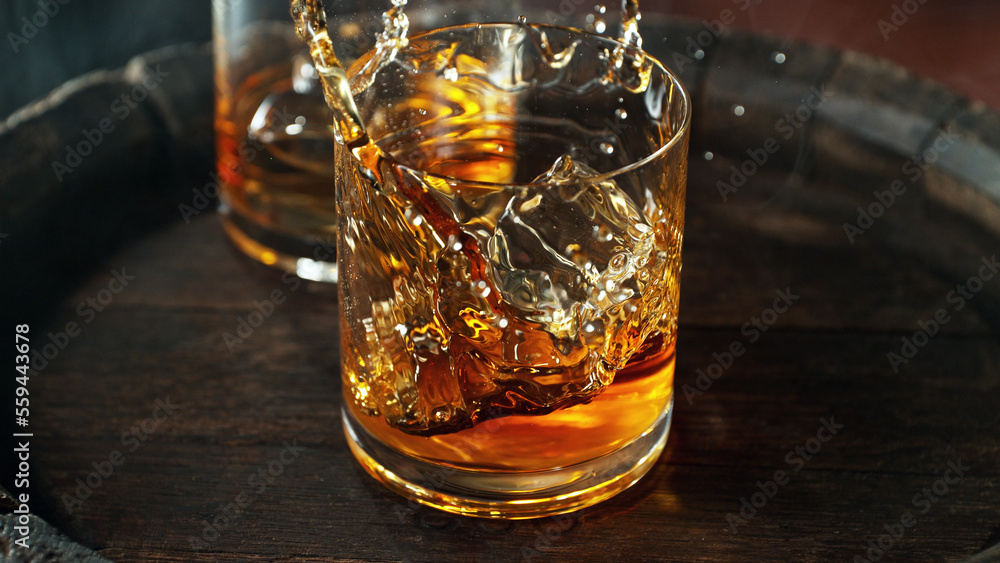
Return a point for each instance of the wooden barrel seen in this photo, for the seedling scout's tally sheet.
(838, 366)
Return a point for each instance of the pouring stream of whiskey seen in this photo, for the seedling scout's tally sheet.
(629, 34)
(628, 67)
(310, 25)
(309, 17)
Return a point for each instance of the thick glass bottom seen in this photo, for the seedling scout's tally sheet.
(509, 494)
(296, 255)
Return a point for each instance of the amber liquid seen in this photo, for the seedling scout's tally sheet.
(490, 390)
(276, 165)
(274, 152)
(509, 280)
(506, 309)
(624, 410)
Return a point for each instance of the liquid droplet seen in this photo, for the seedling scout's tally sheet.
(618, 262)
(621, 113)
(522, 20)
(629, 35)
(778, 57)
(553, 59)
(738, 110)
(630, 66)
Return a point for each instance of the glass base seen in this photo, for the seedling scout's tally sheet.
(287, 253)
(507, 494)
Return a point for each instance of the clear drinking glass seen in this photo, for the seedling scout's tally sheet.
(510, 268)
(273, 140)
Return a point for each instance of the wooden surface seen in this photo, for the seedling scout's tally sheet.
(160, 341)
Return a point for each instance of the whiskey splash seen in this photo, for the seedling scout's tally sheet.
(310, 25)
(633, 74)
(504, 273)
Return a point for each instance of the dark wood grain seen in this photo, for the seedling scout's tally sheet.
(163, 338)
(158, 349)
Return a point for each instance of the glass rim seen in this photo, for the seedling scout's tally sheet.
(681, 131)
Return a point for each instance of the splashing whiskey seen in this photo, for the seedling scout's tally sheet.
(508, 294)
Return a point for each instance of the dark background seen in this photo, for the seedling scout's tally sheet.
(86, 35)
(954, 42)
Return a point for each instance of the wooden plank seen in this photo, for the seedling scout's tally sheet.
(236, 410)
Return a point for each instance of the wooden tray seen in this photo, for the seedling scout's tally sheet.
(749, 432)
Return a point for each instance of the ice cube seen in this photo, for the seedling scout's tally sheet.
(528, 313)
(567, 251)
